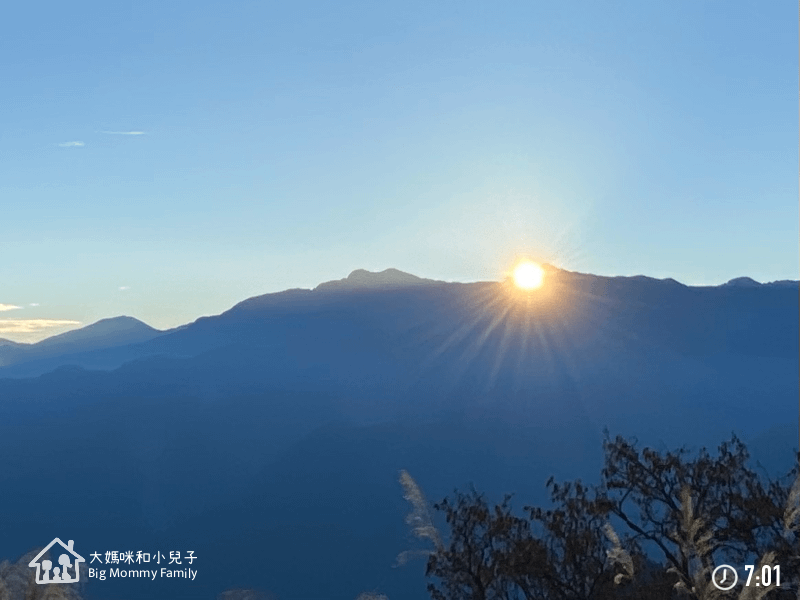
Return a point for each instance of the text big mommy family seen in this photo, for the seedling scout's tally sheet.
(141, 558)
(69, 565)
(153, 574)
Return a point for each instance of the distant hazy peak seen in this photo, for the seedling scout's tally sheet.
(669, 280)
(576, 275)
(742, 282)
(793, 283)
(122, 322)
(362, 279)
(102, 328)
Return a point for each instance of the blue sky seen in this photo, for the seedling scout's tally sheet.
(286, 144)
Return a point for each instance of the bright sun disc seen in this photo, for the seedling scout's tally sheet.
(528, 276)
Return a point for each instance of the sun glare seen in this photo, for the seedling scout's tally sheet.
(528, 275)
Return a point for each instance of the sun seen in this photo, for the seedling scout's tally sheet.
(528, 275)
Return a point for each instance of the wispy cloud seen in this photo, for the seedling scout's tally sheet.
(123, 132)
(71, 144)
(5, 307)
(33, 304)
(124, 288)
(32, 325)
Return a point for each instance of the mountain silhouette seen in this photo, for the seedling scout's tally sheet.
(361, 279)
(27, 360)
(277, 428)
(110, 343)
(749, 282)
(114, 331)
(742, 282)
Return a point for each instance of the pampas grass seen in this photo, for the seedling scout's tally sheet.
(419, 519)
(618, 556)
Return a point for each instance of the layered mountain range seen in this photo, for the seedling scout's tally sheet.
(279, 426)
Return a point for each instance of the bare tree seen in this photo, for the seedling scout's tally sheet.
(569, 552)
(698, 512)
(585, 557)
(491, 554)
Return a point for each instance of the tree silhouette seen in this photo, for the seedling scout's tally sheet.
(491, 553)
(568, 552)
(693, 512)
(700, 512)
(585, 557)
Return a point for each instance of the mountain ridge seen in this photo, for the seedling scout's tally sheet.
(109, 343)
(54, 352)
(287, 417)
(364, 279)
(104, 327)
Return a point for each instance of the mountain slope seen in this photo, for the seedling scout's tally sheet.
(113, 331)
(277, 428)
(26, 360)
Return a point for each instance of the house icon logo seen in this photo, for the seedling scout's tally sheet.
(66, 571)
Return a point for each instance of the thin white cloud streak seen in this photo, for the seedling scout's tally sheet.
(34, 304)
(71, 144)
(32, 325)
(123, 132)
(124, 288)
(5, 307)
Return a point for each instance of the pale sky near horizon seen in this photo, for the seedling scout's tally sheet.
(165, 160)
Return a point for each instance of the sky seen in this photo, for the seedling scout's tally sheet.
(165, 160)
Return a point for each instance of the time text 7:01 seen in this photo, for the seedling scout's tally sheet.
(765, 578)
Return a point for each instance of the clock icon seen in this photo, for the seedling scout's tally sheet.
(724, 577)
